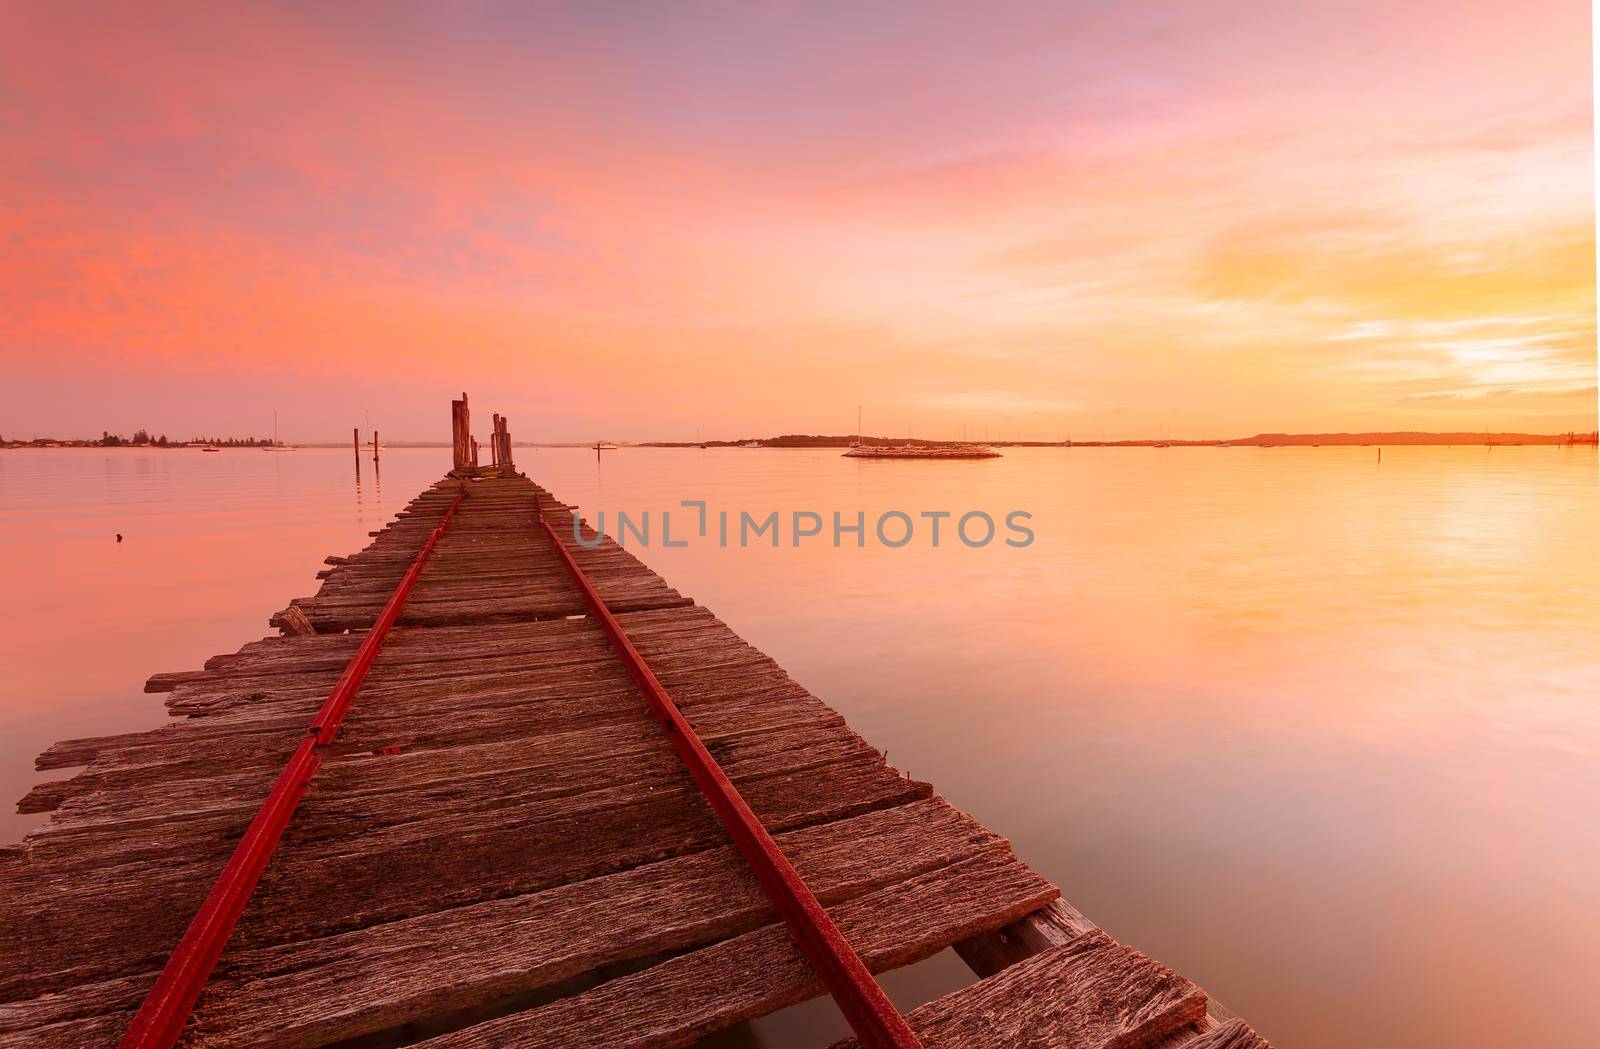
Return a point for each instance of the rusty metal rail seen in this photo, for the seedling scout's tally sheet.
(870, 1013)
(166, 1009)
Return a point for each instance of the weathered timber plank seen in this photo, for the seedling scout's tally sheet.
(386, 975)
(1049, 927)
(550, 756)
(69, 1034)
(265, 660)
(482, 581)
(169, 681)
(1092, 993)
(87, 1004)
(469, 711)
(410, 667)
(62, 931)
(399, 870)
(1230, 1034)
(684, 998)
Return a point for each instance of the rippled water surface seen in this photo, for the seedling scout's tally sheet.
(1318, 731)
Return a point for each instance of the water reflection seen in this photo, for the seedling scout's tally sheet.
(1316, 729)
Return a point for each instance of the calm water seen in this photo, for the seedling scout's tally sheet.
(1319, 732)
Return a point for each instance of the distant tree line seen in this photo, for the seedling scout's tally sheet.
(141, 439)
(234, 442)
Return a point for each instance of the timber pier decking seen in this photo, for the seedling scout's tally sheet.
(501, 847)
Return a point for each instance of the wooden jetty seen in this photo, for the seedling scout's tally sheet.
(497, 844)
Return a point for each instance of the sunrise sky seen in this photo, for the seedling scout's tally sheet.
(633, 220)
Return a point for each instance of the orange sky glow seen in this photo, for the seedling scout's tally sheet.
(633, 221)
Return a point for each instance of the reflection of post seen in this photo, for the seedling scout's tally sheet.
(460, 434)
(355, 438)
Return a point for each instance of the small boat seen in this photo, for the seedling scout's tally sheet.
(209, 448)
(605, 446)
(751, 444)
(921, 451)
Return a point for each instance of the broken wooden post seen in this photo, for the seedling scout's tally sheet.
(461, 433)
(501, 441)
(374, 445)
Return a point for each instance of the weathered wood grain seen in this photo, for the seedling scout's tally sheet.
(686, 997)
(386, 975)
(1049, 927)
(402, 869)
(1091, 993)
(498, 569)
(1230, 1034)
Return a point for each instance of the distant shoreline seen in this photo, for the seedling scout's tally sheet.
(1261, 440)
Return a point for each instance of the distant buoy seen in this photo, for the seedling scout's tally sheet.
(119, 537)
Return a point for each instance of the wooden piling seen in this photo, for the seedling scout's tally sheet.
(461, 434)
(501, 441)
(355, 440)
